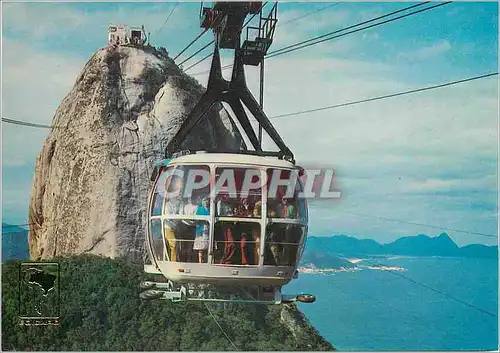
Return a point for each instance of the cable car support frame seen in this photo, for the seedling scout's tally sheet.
(226, 21)
(235, 92)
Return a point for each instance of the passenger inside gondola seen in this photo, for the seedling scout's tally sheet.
(293, 236)
(174, 185)
(257, 213)
(282, 244)
(201, 240)
(224, 247)
(180, 234)
(273, 240)
(186, 232)
(285, 209)
(240, 239)
(243, 209)
(241, 229)
(224, 242)
(249, 233)
(282, 240)
(159, 194)
(271, 209)
(190, 207)
(224, 208)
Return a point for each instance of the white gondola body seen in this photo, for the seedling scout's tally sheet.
(276, 242)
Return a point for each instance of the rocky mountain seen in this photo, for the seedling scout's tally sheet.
(419, 245)
(479, 251)
(92, 176)
(422, 245)
(344, 244)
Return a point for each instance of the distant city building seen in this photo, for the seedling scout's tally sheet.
(122, 35)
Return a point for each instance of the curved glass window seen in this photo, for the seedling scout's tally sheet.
(157, 245)
(301, 203)
(181, 227)
(187, 191)
(283, 201)
(238, 192)
(159, 194)
(180, 214)
(187, 240)
(282, 244)
(236, 243)
(187, 194)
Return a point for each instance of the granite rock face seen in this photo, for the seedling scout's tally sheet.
(91, 182)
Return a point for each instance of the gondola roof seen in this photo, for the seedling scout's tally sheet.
(230, 158)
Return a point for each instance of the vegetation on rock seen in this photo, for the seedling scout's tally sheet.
(101, 310)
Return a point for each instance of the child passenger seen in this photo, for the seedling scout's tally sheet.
(202, 232)
(257, 211)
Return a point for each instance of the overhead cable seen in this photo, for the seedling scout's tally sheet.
(385, 96)
(271, 55)
(349, 27)
(191, 43)
(309, 13)
(199, 50)
(18, 122)
(301, 45)
(199, 61)
(447, 295)
(168, 17)
(25, 123)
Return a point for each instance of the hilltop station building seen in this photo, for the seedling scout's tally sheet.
(122, 35)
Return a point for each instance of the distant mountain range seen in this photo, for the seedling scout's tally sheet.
(321, 248)
(14, 242)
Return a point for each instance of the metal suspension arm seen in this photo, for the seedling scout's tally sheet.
(235, 103)
(233, 92)
(238, 84)
(201, 109)
(215, 89)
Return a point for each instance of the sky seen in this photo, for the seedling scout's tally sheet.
(428, 158)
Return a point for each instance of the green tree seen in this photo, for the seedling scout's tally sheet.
(101, 311)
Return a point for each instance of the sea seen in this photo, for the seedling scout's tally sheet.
(433, 303)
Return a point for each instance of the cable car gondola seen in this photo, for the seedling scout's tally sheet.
(226, 225)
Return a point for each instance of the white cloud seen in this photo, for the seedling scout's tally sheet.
(50, 25)
(428, 51)
(370, 36)
(330, 19)
(34, 83)
(443, 185)
(41, 19)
